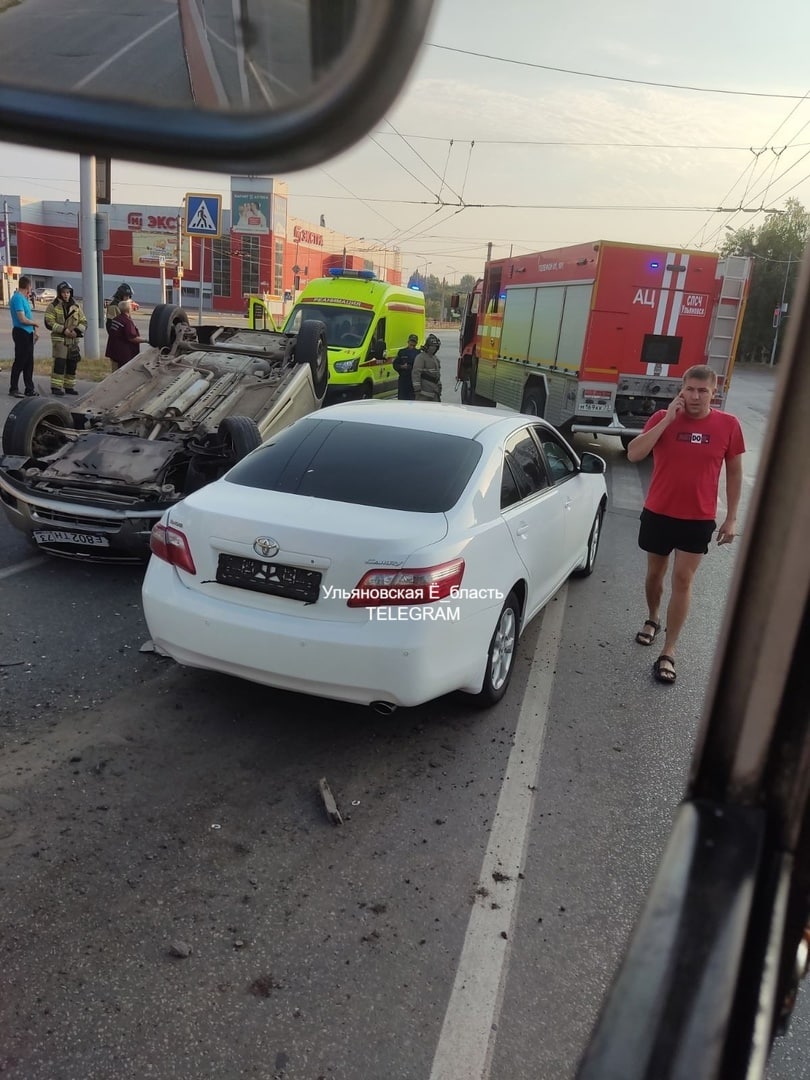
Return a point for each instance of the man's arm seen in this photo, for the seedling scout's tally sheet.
(416, 373)
(643, 444)
(734, 478)
(23, 318)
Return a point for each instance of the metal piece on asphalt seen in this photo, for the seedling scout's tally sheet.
(329, 802)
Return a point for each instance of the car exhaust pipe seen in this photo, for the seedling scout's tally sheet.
(384, 708)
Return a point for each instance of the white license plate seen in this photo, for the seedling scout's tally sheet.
(60, 537)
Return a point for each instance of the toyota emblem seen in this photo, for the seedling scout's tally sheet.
(265, 546)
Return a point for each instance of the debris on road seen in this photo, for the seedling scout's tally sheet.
(181, 950)
(329, 802)
(150, 646)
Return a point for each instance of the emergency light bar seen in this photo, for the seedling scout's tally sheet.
(339, 271)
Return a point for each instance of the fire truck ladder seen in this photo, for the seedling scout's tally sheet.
(734, 272)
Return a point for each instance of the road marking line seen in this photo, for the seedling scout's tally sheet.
(116, 56)
(467, 1038)
(18, 568)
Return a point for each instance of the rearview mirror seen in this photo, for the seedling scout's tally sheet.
(253, 85)
(592, 463)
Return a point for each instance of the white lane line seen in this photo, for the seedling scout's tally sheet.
(18, 568)
(467, 1038)
(117, 56)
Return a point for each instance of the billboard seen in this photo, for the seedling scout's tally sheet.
(250, 212)
(149, 248)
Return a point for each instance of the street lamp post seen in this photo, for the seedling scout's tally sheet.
(781, 312)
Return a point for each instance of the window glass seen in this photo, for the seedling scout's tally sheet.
(366, 464)
(561, 464)
(346, 327)
(527, 463)
(510, 493)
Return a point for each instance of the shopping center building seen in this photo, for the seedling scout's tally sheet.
(261, 249)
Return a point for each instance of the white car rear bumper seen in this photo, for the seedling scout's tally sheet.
(395, 655)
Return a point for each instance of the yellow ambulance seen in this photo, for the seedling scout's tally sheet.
(367, 322)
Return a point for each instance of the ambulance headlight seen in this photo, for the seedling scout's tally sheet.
(346, 365)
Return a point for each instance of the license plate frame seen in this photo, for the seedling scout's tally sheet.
(272, 579)
(66, 536)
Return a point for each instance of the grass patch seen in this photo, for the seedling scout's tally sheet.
(94, 370)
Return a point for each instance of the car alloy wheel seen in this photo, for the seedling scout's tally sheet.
(501, 654)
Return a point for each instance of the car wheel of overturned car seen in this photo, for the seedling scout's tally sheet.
(30, 427)
(593, 546)
(240, 435)
(501, 655)
(310, 348)
(163, 325)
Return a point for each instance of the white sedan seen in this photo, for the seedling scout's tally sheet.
(382, 553)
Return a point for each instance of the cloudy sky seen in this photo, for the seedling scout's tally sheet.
(479, 149)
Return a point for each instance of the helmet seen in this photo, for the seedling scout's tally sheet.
(123, 292)
(64, 285)
(431, 339)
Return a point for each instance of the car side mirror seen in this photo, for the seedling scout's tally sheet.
(378, 349)
(592, 463)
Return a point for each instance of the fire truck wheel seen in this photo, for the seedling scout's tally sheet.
(500, 656)
(534, 401)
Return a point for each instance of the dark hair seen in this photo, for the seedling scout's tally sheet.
(24, 280)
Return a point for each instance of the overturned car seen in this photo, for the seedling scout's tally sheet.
(90, 482)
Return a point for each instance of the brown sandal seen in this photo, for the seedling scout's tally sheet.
(662, 674)
(643, 638)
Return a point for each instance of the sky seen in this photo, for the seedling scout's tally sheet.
(482, 150)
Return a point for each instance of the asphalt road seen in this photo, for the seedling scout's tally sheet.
(475, 900)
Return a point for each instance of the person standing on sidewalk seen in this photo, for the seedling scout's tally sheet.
(67, 323)
(24, 333)
(689, 442)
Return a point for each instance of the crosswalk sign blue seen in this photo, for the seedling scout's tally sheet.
(203, 215)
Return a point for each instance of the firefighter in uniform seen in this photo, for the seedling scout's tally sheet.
(123, 292)
(67, 323)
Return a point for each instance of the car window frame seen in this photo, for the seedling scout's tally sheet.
(553, 437)
(516, 472)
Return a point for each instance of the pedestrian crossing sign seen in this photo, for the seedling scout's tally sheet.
(203, 215)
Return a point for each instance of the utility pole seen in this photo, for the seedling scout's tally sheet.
(781, 312)
(180, 218)
(489, 251)
(6, 254)
(87, 185)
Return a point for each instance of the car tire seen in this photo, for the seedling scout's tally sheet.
(310, 348)
(534, 402)
(500, 655)
(24, 430)
(594, 537)
(163, 325)
(241, 435)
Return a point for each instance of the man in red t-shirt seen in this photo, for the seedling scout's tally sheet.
(689, 442)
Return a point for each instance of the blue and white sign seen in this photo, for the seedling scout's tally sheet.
(203, 215)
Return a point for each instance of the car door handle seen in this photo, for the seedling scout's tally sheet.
(522, 530)
(568, 504)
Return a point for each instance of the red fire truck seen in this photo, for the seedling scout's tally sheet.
(596, 337)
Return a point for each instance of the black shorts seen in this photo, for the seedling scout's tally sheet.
(659, 534)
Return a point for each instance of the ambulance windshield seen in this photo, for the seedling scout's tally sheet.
(346, 327)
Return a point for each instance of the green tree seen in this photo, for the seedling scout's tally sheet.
(776, 247)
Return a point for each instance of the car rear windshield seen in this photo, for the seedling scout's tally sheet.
(369, 464)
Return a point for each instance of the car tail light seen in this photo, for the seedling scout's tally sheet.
(171, 545)
(397, 588)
